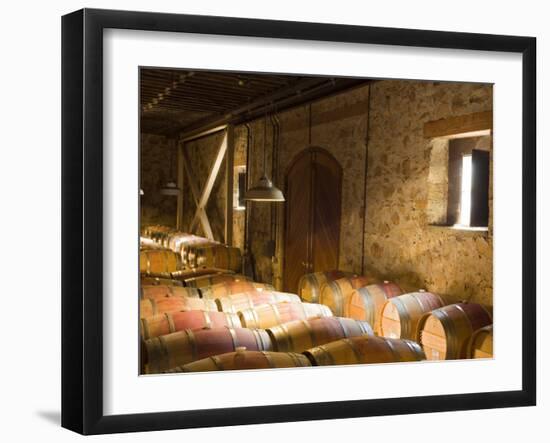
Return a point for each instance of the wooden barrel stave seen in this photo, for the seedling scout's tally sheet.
(242, 360)
(214, 279)
(150, 307)
(215, 256)
(445, 332)
(159, 291)
(158, 281)
(226, 288)
(246, 300)
(366, 303)
(481, 343)
(301, 335)
(309, 285)
(158, 262)
(364, 350)
(334, 294)
(179, 348)
(178, 321)
(401, 315)
(268, 315)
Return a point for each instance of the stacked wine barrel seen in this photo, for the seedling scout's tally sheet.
(198, 313)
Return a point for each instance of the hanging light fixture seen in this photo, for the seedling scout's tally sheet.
(171, 188)
(264, 190)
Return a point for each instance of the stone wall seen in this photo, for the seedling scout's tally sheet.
(400, 243)
(157, 166)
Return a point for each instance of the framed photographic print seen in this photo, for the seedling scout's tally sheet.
(270, 221)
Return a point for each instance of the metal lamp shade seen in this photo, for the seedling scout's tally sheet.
(264, 191)
(170, 189)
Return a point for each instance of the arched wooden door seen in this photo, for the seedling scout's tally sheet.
(312, 225)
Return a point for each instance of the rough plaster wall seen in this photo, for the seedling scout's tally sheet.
(399, 243)
(201, 154)
(156, 154)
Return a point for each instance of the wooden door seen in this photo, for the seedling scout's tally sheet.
(313, 193)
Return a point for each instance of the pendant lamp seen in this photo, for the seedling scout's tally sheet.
(264, 190)
(171, 188)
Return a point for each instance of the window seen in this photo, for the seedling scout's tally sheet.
(468, 182)
(239, 188)
(458, 182)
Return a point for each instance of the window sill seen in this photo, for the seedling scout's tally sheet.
(466, 230)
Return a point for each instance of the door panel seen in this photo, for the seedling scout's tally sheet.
(326, 215)
(312, 215)
(298, 203)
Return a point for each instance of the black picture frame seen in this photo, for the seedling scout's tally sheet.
(82, 215)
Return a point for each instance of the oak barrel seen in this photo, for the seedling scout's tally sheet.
(268, 315)
(233, 287)
(213, 279)
(178, 321)
(401, 314)
(366, 303)
(365, 349)
(242, 359)
(149, 280)
(159, 291)
(335, 293)
(179, 348)
(445, 332)
(300, 335)
(309, 286)
(245, 300)
(481, 343)
(148, 243)
(216, 256)
(187, 249)
(158, 262)
(149, 307)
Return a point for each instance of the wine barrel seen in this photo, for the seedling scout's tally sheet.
(309, 285)
(160, 291)
(187, 248)
(445, 332)
(158, 262)
(187, 273)
(266, 316)
(401, 314)
(213, 279)
(335, 293)
(481, 343)
(150, 230)
(366, 303)
(174, 240)
(149, 307)
(149, 281)
(179, 348)
(300, 335)
(178, 321)
(365, 349)
(233, 287)
(243, 359)
(216, 256)
(245, 300)
(148, 243)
